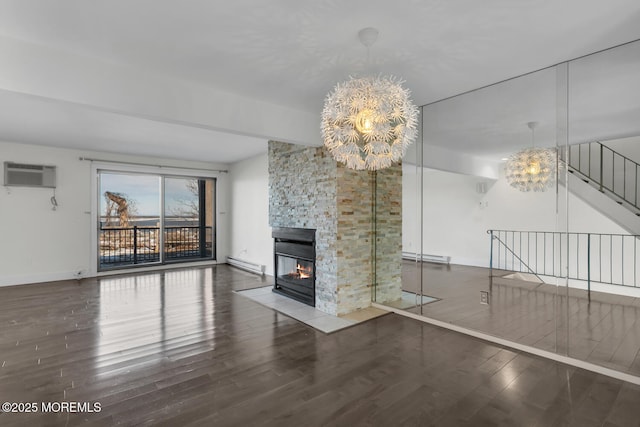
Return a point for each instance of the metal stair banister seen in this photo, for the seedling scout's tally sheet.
(605, 173)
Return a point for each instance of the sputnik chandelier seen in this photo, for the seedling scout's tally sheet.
(368, 122)
(532, 169)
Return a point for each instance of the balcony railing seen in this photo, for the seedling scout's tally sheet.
(590, 257)
(138, 245)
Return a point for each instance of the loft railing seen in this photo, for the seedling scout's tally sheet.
(524, 266)
(607, 170)
(590, 257)
(137, 245)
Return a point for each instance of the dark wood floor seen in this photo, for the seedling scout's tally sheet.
(604, 331)
(180, 348)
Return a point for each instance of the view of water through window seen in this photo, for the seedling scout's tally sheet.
(135, 227)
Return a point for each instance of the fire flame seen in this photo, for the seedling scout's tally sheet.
(302, 272)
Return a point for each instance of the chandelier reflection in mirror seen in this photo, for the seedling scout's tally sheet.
(368, 123)
(532, 169)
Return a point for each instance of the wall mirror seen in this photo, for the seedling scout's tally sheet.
(550, 269)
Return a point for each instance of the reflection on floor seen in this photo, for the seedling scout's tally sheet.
(309, 315)
(180, 348)
(411, 300)
(605, 331)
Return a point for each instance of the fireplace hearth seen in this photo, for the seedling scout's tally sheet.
(294, 263)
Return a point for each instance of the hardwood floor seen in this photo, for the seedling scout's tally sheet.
(605, 331)
(180, 348)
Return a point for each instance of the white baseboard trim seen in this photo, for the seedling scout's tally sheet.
(38, 278)
(521, 347)
(249, 266)
(443, 259)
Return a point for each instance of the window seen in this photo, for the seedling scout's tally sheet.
(154, 219)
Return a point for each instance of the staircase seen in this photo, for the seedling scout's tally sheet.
(610, 177)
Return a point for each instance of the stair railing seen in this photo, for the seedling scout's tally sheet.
(608, 170)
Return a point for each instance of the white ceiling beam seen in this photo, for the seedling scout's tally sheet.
(37, 70)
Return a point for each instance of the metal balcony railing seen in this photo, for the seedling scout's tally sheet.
(138, 245)
(187, 242)
(131, 245)
(590, 257)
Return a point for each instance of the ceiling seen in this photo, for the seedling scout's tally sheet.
(289, 53)
(602, 92)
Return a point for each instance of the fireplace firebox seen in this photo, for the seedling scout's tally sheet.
(294, 263)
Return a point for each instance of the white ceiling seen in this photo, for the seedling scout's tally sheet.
(602, 93)
(290, 52)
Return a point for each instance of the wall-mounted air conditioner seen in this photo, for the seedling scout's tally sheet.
(23, 175)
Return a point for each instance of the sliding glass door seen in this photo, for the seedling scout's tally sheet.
(154, 219)
(188, 218)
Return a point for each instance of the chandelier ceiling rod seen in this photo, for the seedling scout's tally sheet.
(533, 126)
(368, 37)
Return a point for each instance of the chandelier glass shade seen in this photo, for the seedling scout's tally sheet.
(368, 123)
(532, 169)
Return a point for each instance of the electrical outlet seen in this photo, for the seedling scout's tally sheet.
(484, 297)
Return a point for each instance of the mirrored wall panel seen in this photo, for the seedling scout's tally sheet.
(489, 200)
(520, 213)
(604, 213)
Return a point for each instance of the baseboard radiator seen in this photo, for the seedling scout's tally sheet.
(246, 265)
(442, 259)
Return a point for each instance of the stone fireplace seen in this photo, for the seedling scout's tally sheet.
(308, 189)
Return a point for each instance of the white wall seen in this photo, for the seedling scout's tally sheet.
(454, 222)
(39, 244)
(250, 231)
(456, 216)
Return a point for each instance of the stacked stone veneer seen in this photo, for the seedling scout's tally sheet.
(308, 189)
(388, 235)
